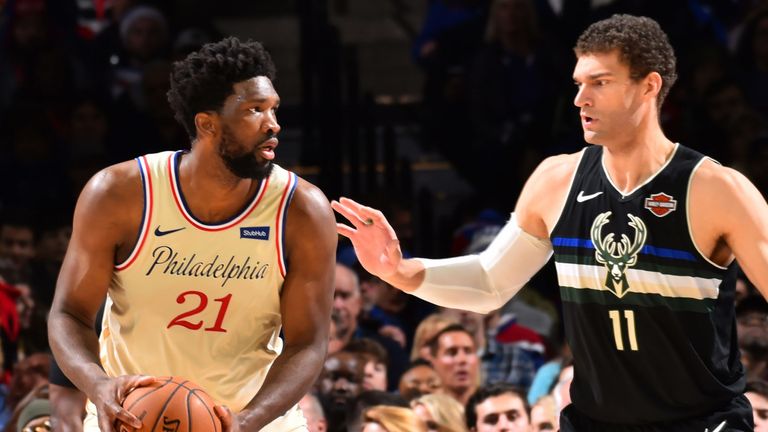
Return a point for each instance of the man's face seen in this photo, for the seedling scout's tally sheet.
(505, 412)
(375, 376)
(419, 381)
(249, 128)
(759, 410)
(341, 381)
(544, 415)
(752, 328)
(346, 300)
(456, 361)
(315, 420)
(610, 102)
(17, 244)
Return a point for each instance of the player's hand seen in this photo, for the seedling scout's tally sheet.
(110, 394)
(229, 422)
(373, 238)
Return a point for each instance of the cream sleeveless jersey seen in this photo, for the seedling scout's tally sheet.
(201, 301)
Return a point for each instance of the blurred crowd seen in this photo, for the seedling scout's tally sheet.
(83, 83)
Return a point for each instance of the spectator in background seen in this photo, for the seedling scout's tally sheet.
(427, 329)
(752, 54)
(17, 251)
(450, 36)
(419, 379)
(143, 37)
(757, 393)
(497, 407)
(347, 314)
(752, 331)
(392, 419)
(368, 399)
(512, 96)
(340, 382)
(440, 413)
(376, 362)
(473, 322)
(313, 412)
(34, 417)
(544, 415)
(28, 374)
(562, 388)
(454, 356)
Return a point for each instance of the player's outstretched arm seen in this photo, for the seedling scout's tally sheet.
(100, 221)
(305, 303)
(479, 283)
(726, 206)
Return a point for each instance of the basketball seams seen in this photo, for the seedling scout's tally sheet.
(146, 394)
(159, 399)
(167, 401)
(205, 405)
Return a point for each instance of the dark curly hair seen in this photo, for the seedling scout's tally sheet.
(488, 391)
(641, 43)
(203, 80)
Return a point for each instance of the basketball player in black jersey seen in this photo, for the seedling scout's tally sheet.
(645, 234)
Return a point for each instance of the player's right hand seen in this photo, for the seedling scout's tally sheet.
(373, 238)
(108, 396)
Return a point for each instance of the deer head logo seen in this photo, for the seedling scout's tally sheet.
(617, 256)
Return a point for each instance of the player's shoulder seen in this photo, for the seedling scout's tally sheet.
(310, 200)
(118, 185)
(715, 178)
(558, 169)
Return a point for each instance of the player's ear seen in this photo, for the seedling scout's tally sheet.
(653, 83)
(207, 123)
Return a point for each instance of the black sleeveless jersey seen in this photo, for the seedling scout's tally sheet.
(650, 320)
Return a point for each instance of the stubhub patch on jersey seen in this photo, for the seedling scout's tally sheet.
(255, 233)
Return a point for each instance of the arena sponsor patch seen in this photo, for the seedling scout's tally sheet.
(256, 233)
(661, 204)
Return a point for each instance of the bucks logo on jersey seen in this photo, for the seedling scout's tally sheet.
(617, 257)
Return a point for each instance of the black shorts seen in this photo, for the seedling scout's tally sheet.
(737, 416)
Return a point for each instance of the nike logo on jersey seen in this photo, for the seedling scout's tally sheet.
(160, 233)
(582, 197)
(718, 428)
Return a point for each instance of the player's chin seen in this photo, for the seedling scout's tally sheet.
(590, 137)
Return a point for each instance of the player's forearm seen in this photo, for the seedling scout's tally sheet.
(76, 347)
(484, 282)
(290, 377)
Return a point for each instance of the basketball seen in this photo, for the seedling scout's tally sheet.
(172, 404)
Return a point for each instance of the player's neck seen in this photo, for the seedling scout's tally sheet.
(633, 162)
(210, 189)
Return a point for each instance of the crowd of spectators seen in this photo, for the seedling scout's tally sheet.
(82, 85)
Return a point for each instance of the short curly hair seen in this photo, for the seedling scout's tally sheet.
(204, 79)
(641, 43)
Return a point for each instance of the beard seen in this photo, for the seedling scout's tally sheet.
(242, 163)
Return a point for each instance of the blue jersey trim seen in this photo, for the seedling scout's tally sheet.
(646, 250)
(285, 217)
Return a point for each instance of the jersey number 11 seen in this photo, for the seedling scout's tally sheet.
(629, 316)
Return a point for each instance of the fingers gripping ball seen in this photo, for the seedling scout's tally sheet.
(172, 404)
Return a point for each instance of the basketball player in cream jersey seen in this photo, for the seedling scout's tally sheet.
(644, 232)
(203, 256)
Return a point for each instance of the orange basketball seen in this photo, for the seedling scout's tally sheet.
(172, 404)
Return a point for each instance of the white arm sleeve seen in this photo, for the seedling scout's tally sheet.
(485, 282)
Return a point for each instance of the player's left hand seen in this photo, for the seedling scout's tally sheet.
(229, 422)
